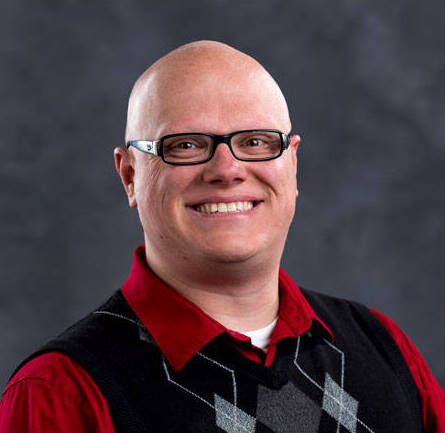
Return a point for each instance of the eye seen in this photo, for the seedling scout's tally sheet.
(254, 142)
(185, 145)
(188, 143)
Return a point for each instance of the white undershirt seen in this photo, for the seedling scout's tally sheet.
(261, 337)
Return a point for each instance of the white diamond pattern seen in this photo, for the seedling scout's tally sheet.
(229, 417)
(339, 404)
(342, 407)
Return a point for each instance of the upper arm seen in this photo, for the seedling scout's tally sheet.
(53, 394)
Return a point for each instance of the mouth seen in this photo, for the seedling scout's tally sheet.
(226, 208)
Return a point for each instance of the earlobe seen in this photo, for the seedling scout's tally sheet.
(124, 166)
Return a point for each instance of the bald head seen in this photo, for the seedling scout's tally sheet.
(204, 86)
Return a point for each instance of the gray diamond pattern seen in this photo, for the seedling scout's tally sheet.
(287, 410)
(339, 404)
(231, 418)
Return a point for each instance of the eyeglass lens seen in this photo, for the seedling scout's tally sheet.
(249, 145)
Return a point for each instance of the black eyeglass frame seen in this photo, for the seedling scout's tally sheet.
(155, 147)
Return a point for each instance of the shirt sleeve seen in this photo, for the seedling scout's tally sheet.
(53, 394)
(432, 397)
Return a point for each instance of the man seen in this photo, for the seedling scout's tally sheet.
(208, 333)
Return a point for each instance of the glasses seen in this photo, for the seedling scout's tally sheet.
(197, 147)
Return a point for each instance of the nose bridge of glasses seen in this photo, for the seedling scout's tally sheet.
(226, 139)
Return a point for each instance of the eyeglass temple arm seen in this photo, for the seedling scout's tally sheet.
(145, 146)
(286, 139)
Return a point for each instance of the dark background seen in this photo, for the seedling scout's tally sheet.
(365, 85)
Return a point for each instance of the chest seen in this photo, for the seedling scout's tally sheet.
(314, 386)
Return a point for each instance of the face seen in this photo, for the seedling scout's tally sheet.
(171, 200)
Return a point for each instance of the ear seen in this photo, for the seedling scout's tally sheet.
(124, 162)
(294, 143)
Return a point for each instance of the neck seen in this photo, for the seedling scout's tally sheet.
(241, 296)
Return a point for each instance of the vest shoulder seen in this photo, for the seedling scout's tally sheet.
(101, 329)
(321, 300)
(346, 318)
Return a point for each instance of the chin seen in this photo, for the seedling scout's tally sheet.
(230, 258)
(234, 253)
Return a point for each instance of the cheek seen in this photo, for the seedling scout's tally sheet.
(161, 187)
(147, 173)
(282, 178)
(290, 173)
(287, 187)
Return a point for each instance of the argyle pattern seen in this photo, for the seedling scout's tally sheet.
(302, 414)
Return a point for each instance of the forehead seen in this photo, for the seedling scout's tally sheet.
(209, 94)
(220, 117)
(219, 105)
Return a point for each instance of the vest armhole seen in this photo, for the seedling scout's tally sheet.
(378, 332)
(77, 353)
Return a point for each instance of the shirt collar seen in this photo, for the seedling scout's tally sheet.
(181, 329)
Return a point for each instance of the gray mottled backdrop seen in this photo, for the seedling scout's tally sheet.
(365, 86)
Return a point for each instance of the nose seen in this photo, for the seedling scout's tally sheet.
(224, 168)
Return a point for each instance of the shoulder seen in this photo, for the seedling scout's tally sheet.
(313, 295)
(399, 336)
(411, 354)
(337, 310)
(351, 319)
(380, 328)
(54, 371)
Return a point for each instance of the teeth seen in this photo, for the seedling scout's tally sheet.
(238, 206)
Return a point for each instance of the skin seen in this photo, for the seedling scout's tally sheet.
(226, 264)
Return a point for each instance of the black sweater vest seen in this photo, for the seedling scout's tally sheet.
(358, 383)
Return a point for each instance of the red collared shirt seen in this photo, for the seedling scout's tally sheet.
(157, 305)
(54, 394)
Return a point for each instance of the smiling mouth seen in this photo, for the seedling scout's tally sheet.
(224, 208)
